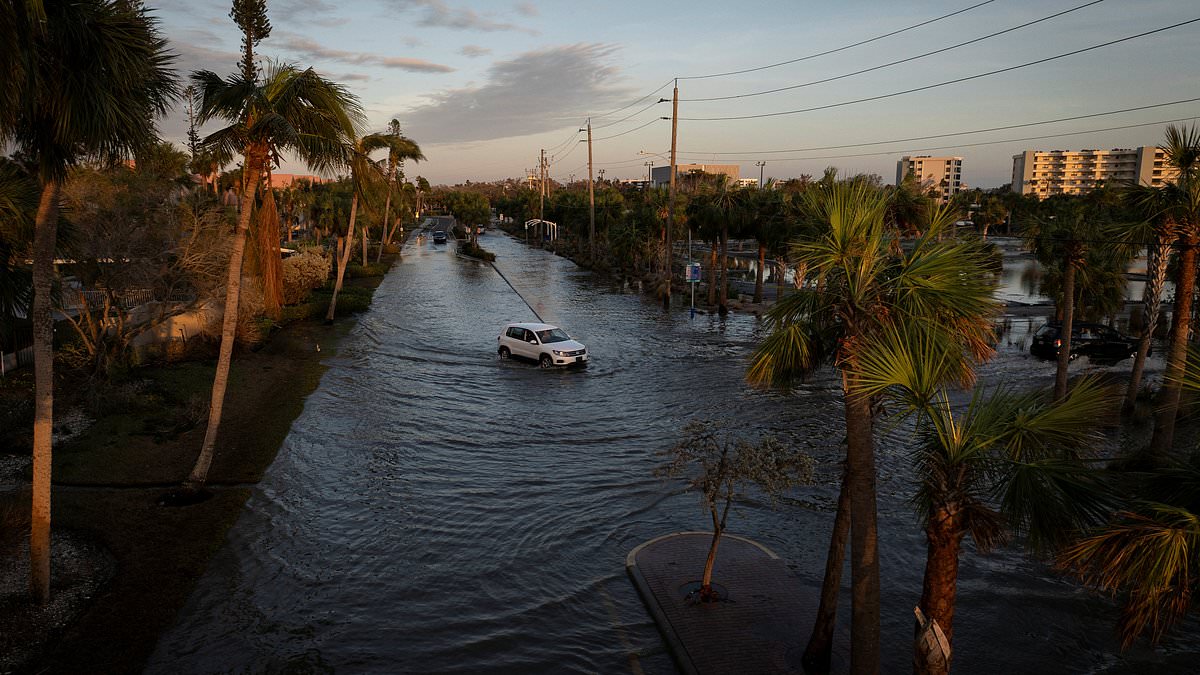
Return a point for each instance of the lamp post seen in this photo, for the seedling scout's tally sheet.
(649, 168)
(760, 166)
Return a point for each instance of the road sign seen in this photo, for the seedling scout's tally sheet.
(693, 272)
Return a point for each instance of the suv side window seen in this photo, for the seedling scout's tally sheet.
(529, 336)
(516, 333)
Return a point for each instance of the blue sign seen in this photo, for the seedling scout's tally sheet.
(693, 272)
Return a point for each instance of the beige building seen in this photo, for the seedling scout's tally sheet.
(662, 174)
(944, 174)
(1068, 172)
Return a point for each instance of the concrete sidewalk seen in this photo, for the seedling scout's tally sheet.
(761, 627)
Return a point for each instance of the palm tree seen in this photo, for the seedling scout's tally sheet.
(363, 173)
(1063, 242)
(1178, 207)
(82, 79)
(287, 110)
(1011, 462)
(869, 284)
(768, 225)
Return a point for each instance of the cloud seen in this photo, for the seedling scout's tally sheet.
(474, 51)
(438, 14)
(309, 49)
(194, 55)
(352, 77)
(527, 9)
(317, 12)
(534, 92)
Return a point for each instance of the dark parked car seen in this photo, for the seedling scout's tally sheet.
(1092, 340)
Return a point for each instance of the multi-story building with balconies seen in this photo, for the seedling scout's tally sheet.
(1072, 172)
(944, 174)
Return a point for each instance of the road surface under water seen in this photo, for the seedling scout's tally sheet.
(434, 509)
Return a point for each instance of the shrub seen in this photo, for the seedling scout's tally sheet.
(302, 273)
(474, 250)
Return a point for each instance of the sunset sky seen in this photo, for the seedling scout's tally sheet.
(483, 86)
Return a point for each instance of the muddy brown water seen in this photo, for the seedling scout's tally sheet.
(434, 509)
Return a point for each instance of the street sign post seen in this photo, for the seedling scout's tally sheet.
(693, 273)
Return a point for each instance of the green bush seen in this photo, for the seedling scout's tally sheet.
(356, 271)
(474, 250)
(351, 299)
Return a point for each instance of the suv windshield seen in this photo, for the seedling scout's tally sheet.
(1047, 331)
(552, 335)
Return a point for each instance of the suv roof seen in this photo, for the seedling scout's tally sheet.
(530, 326)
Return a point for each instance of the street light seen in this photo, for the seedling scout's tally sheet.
(760, 166)
(649, 167)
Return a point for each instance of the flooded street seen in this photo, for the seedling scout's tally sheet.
(435, 509)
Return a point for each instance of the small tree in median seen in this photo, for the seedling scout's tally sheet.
(720, 466)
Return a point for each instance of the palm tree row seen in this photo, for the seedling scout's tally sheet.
(89, 79)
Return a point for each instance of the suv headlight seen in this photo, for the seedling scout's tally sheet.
(558, 352)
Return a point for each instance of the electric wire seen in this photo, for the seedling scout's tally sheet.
(893, 63)
(945, 83)
(556, 160)
(960, 145)
(630, 131)
(613, 112)
(947, 135)
(842, 48)
(560, 146)
(631, 115)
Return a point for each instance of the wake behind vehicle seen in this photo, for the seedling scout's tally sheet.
(548, 345)
(1093, 340)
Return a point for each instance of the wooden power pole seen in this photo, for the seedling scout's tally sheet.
(591, 195)
(671, 195)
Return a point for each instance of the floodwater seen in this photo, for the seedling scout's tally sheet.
(434, 509)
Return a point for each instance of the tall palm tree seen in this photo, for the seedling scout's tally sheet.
(868, 285)
(1064, 241)
(363, 173)
(83, 79)
(1012, 462)
(286, 110)
(1179, 209)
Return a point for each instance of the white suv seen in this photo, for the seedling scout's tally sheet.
(548, 345)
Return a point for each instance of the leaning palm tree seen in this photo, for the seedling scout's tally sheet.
(82, 79)
(869, 284)
(398, 152)
(1010, 463)
(365, 172)
(286, 110)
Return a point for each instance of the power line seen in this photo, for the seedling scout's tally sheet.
(556, 160)
(842, 48)
(613, 112)
(656, 119)
(963, 145)
(562, 145)
(947, 82)
(894, 63)
(956, 133)
(631, 115)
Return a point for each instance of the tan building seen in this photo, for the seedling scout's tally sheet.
(662, 174)
(1069, 172)
(943, 173)
(282, 180)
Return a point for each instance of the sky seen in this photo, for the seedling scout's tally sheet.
(483, 87)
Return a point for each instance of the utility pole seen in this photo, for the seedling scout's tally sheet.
(649, 167)
(542, 186)
(671, 196)
(760, 166)
(591, 194)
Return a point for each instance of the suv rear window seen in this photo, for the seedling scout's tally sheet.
(1047, 331)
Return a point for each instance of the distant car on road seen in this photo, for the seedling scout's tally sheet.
(1093, 340)
(548, 345)
(439, 237)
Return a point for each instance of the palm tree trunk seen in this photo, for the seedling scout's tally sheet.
(387, 229)
(758, 276)
(723, 274)
(1152, 298)
(345, 260)
(45, 236)
(1181, 320)
(366, 230)
(943, 535)
(710, 562)
(233, 284)
(818, 654)
(864, 549)
(270, 262)
(1068, 320)
(712, 275)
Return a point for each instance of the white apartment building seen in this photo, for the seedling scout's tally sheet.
(1072, 172)
(943, 173)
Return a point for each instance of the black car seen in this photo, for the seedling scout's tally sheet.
(439, 237)
(1093, 340)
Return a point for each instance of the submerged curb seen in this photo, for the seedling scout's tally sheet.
(758, 629)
